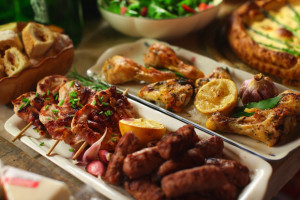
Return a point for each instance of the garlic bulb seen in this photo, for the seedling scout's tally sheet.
(256, 89)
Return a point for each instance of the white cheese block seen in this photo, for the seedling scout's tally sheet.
(22, 185)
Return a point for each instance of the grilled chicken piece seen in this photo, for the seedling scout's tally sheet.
(103, 112)
(172, 94)
(162, 56)
(50, 84)
(28, 105)
(217, 73)
(57, 118)
(119, 69)
(291, 100)
(267, 126)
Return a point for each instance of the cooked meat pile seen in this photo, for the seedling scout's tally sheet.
(179, 166)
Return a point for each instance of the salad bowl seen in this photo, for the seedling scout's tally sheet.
(160, 27)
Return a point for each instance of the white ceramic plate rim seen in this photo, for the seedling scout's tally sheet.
(206, 65)
(260, 170)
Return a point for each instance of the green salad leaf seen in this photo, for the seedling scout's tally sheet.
(262, 105)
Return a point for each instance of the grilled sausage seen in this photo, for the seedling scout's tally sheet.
(189, 159)
(142, 162)
(143, 189)
(211, 147)
(198, 179)
(128, 143)
(177, 142)
(235, 172)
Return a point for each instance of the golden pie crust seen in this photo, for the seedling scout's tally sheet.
(277, 63)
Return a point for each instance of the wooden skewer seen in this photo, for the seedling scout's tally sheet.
(22, 131)
(85, 143)
(52, 148)
(80, 150)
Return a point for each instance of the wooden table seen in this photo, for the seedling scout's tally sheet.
(98, 36)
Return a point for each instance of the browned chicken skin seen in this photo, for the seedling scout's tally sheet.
(172, 94)
(162, 56)
(217, 73)
(268, 126)
(119, 69)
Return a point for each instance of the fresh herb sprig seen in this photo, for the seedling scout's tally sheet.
(88, 81)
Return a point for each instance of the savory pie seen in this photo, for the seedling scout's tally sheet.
(266, 35)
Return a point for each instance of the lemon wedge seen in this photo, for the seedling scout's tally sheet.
(146, 130)
(218, 95)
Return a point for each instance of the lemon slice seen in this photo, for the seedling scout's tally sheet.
(218, 95)
(146, 130)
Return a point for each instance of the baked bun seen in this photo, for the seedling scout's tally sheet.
(37, 39)
(9, 38)
(15, 61)
(265, 34)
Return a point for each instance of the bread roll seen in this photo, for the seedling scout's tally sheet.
(9, 38)
(37, 39)
(15, 61)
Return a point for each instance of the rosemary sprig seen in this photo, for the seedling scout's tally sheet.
(88, 81)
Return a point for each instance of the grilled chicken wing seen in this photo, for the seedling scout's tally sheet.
(172, 94)
(291, 100)
(267, 126)
(119, 69)
(161, 56)
(217, 73)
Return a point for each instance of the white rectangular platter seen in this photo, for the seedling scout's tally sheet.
(136, 51)
(260, 170)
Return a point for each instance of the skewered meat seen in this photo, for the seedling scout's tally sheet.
(142, 162)
(57, 118)
(191, 158)
(27, 106)
(217, 73)
(119, 69)
(127, 144)
(198, 179)
(236, 173)
(172, 94)
(144, 189)
(50, 84)
(102, 112)
(267, 126)
(161, 56)
(175, 143)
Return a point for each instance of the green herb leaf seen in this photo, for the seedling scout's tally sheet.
(262, 105)
(42, 143)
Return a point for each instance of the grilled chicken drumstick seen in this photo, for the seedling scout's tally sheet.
(161, 56)
(119, 69)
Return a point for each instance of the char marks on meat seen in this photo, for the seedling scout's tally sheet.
(127, 144)
(103, 111)
(177, 142)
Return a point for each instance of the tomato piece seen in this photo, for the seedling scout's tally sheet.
(202, 6)
(123, 10)
(144, 11)
(188, 9)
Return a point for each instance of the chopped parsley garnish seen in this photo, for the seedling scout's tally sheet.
(100, 98)
(73, 94)
(48, 92)
(113, 139)
(108, 113)
(94, 102)
(42, 143)
(71, 150)
(61, 102)
(101, 112)
(47, 99)
(104, 103)
(36, 94)
(46, 107)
